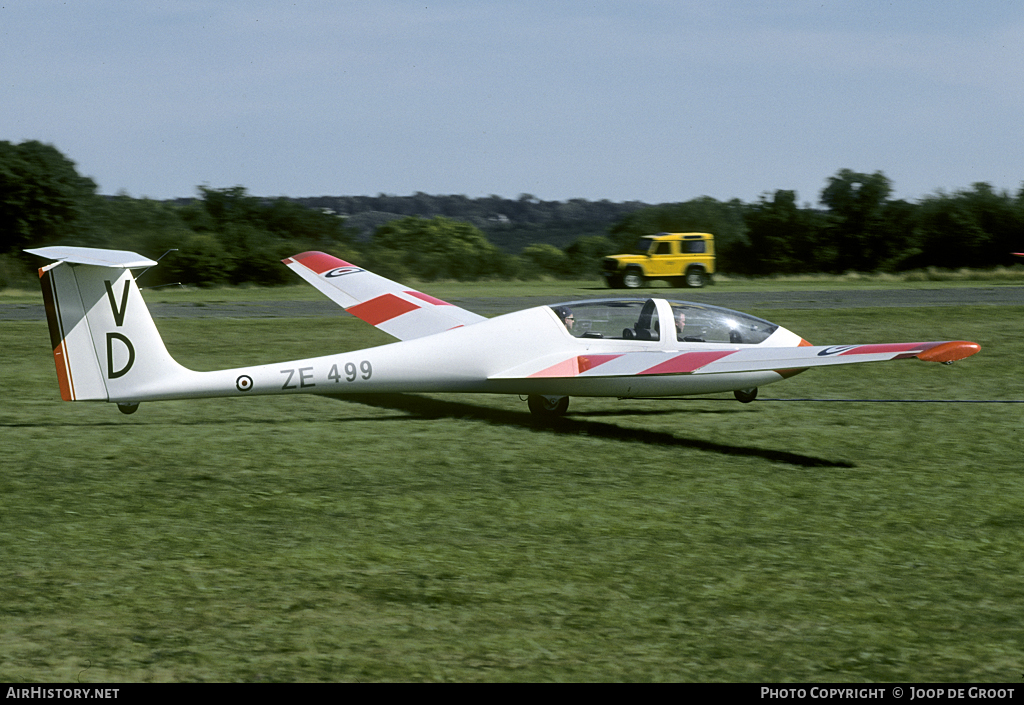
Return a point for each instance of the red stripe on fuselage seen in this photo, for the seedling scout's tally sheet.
(382, 309)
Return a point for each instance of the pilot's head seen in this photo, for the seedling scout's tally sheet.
(565, 314)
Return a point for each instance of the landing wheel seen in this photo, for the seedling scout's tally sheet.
(745, 395)
(127, 408)
(547, 407)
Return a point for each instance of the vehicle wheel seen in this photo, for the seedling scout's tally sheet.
(745, 396)
(633, 279)
(543, 407)
(694, 278)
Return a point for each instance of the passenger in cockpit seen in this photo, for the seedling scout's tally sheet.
(680, 324)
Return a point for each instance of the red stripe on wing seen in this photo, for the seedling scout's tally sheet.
(565, 368)
(382, 309)
(589, 362)
(428, 298)
(884, 348)
(686, 362)
(574, 366)
(319, 262)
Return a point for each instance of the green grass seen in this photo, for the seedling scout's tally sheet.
(433, 537)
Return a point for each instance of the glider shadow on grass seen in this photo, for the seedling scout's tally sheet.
(430, 408)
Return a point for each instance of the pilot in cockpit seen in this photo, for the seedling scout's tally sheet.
(565, 314)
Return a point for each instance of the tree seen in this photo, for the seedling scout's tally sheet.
(42, 197)
(974, 228)
(784, 238)
(200, 261)
(255, 234)
(437, 248)
(585, 254)
(542, 258)
(899, 239)
(856, 202)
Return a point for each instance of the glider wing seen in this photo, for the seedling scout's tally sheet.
(783, 360)
(395, 309)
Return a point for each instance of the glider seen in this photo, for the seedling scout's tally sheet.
(107, 348)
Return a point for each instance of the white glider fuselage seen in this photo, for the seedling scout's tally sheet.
(467, 359)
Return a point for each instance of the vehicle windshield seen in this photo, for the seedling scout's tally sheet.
(637, 319)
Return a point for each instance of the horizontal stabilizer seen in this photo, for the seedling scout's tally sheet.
(94, 256)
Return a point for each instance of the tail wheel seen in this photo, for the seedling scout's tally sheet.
(127, 408)
(543, 407)
(745, 395)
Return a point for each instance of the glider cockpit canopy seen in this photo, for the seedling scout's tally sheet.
(643, 319)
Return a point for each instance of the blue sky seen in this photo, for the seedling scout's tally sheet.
(650, 100)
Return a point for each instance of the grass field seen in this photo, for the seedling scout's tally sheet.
(424, 537)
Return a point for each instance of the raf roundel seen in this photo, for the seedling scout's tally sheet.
(342, 271)
(244, 383)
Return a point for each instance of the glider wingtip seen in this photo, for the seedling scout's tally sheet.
(304, 255)
(319, 262)
(950, 352)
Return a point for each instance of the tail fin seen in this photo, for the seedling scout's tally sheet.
(105, 344)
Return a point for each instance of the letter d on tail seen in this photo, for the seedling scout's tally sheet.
(111, 372)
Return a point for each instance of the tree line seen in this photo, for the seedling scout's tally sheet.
(228, 236)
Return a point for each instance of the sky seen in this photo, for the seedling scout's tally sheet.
(648, 100)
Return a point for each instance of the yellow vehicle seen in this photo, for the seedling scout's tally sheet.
(682, 259)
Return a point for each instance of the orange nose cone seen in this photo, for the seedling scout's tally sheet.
(950, 352)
